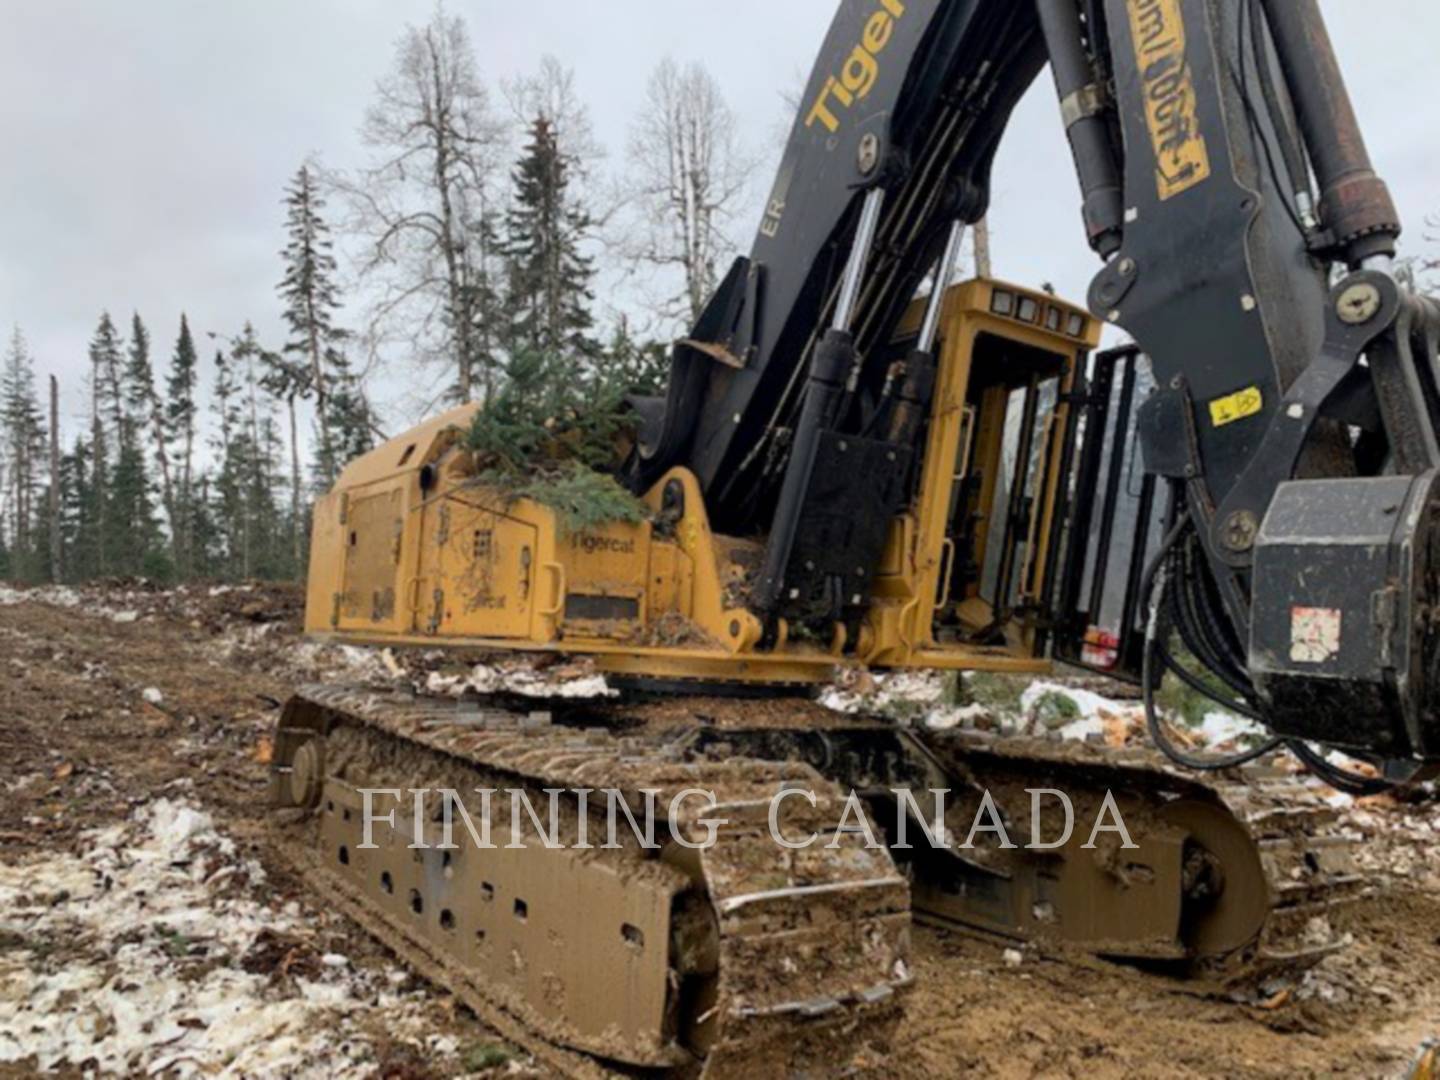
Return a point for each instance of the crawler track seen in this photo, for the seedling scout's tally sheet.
(744, 958)
(1264, 872)
(741, 959)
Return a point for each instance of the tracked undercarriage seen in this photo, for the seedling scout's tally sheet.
(715, 961)
(741, 956)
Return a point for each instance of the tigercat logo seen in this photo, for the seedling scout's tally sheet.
(1181, 160)
(611, 545)
(860, 70)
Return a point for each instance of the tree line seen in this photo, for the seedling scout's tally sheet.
(474, 233)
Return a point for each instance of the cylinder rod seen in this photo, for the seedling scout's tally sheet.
(943, 273)
(859, 256)
(1355, 204)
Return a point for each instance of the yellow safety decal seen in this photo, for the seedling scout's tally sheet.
(1181, 160)
(1236, 406)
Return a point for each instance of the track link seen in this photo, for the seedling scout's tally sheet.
(1286, 868)
(1235, 878)
(736, 958)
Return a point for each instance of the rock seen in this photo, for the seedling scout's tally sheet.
(1013, 957)
(152, 695)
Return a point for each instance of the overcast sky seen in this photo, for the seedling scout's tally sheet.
(146, 143)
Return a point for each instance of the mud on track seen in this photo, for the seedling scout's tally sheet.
(113, 699)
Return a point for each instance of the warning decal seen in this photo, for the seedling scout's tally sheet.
(1314, 634)
(1236, 406)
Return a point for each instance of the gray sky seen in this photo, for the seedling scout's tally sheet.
(146, 143)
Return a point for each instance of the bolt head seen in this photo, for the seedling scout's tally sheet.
(1358, 303)
(1239, 530)
(868, 155)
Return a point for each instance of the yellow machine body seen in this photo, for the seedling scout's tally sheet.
(410, 548)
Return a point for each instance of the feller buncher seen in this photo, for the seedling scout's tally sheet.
(851, 470)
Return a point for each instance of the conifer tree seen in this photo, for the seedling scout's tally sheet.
(484, 305)
(75, 501)
(231, 554)
(308, 287)
(249, 445)
(107, 358)
(640, 367)
(548, 276)
(147, 411)
(207, 543)
(135, 536)
(180, 419)
(105, 402)
(24, 453)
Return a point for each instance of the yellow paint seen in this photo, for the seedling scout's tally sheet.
(1181, 158)
(1236, 406)
(458, 565)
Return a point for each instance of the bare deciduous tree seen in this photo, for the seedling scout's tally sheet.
(687, 169)
(1429, 264)
(437, 146)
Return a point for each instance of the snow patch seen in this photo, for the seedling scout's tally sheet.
(129, 958)
(563, 682)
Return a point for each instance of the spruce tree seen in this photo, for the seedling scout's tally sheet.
(484, 302)
(312, 301)
(77, 506)
(227, 501)
(308, 286)
(207, 542)
(639, 367)
(107, 361)
(250, 442)
(24, 453)
(548, 277)
(147, 413)
(105, 403)
(75, 501)
(135, 536)
(180, 428)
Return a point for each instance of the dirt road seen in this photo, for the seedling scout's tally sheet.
(162, 696)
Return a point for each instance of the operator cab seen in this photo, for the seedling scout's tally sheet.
(991, 499)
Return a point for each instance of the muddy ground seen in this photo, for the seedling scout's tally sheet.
(118, 698)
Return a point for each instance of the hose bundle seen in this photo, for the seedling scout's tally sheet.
(1182, 599)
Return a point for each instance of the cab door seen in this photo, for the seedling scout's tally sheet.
(373, 524)
(480, 580)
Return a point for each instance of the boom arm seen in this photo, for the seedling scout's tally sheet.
(1296, 422)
